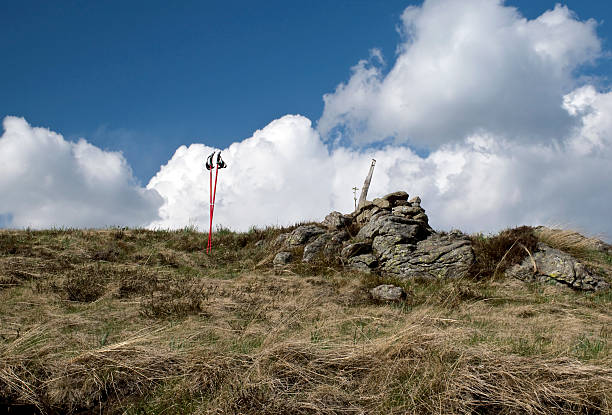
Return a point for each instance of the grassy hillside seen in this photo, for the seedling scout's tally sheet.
(144, 322)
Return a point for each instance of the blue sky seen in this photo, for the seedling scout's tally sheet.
(147, 76)
(144, 77)
(495, 116)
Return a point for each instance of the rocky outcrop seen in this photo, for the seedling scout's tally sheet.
(391, 236)
(549, 264)
(389, 231)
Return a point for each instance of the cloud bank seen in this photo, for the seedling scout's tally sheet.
(514, 137)
(47, 181)
(462, 67)
(284, 173)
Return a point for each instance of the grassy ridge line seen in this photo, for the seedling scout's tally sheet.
(136, 321)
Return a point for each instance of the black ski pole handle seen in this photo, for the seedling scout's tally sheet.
(209, 161)
(220, 163)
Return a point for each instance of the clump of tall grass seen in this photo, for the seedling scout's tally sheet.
(495, 254)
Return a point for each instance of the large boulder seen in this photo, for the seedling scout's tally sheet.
(384, 246)
(280, 240)
(439, 256)
(554, 265)
(313, 249)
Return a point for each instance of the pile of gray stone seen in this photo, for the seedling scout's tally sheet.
(391, 236)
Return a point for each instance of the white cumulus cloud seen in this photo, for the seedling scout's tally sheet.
(47, 181)
(514, 138)
(271, 179)
(465, 66)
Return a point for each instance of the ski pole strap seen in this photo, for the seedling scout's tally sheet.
(209, 161)
(220, 163)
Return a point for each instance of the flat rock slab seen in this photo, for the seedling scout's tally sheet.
(383, 246)
(439, 256)
(366, 204)
(554, 265)
(396, 196)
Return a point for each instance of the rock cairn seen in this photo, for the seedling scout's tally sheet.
(391, 236)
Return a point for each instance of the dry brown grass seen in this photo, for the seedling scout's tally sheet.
(569, 240)
(174, 331)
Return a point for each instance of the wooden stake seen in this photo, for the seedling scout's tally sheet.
(366, 184)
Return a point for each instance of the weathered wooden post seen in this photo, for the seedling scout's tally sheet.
(366, 184)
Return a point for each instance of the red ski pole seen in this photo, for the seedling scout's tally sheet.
(210, 212)
(209, 167)
(212, 208)
(213, 193)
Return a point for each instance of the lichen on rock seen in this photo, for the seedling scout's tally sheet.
(554, 265)
(439, 256)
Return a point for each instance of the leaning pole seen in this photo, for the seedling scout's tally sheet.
(366, 185)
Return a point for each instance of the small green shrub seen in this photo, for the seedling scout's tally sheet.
(174, 299)
(495, 254)
(84, 287)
